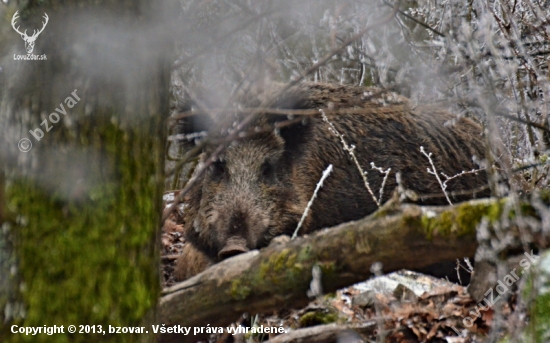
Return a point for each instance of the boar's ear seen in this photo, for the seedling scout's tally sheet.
(184, 100)
(188, 122)
(193, 123)
(294, 135)
(187, 126)
(296, 98)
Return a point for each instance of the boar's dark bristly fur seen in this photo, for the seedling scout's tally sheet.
(259, 186)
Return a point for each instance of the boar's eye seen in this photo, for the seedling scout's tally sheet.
(217, 170)
(268, 172)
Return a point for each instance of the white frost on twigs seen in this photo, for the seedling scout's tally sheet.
(443, 184)
(386, 174)
(326, 173)
(350, 149)
(433, 171)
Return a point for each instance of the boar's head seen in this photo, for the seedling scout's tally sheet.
(248, 195)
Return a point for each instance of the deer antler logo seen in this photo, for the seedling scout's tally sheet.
(29, 40)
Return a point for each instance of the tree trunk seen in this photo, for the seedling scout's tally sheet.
(80, 195)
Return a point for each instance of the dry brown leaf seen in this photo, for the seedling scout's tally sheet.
(433, 331)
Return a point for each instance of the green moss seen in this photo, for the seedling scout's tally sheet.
(537, 291)
(541, 318)
(328, 268)
(87, 259)
(318, 318)
(470, 215)
(545, 196)
(362, 244)
(411, 220)
(461, 220)
(280, 267)
(350, 238)
(305, 254)
(526, 210)
(238, 290)
(330, 296)
(283, 268)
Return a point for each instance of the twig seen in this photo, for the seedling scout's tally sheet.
(382, 171)
(181, 62)
(256, 110)
(191, 182)
(350, 151)
(417, 21)
(434, 172)
(449, 178)
(523, 121)
(468, 192)
(326, 173)
(529, 166)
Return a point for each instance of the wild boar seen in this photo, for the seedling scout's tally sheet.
(259, 186)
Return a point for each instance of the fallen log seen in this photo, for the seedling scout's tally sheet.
(399, 236)
(326, 333)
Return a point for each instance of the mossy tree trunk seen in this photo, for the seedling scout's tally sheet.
(80, 210)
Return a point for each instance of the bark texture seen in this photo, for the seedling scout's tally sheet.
(81, 208)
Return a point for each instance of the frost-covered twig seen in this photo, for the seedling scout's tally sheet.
(443, 184)
(433, 171)
(326, 173)
(386, 174)
(449, 178)
(350, 149)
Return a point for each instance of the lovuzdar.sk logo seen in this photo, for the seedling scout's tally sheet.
(29, 40)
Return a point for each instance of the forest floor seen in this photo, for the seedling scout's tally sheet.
(437, 311)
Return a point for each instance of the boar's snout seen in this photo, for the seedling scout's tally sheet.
(234, 246)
